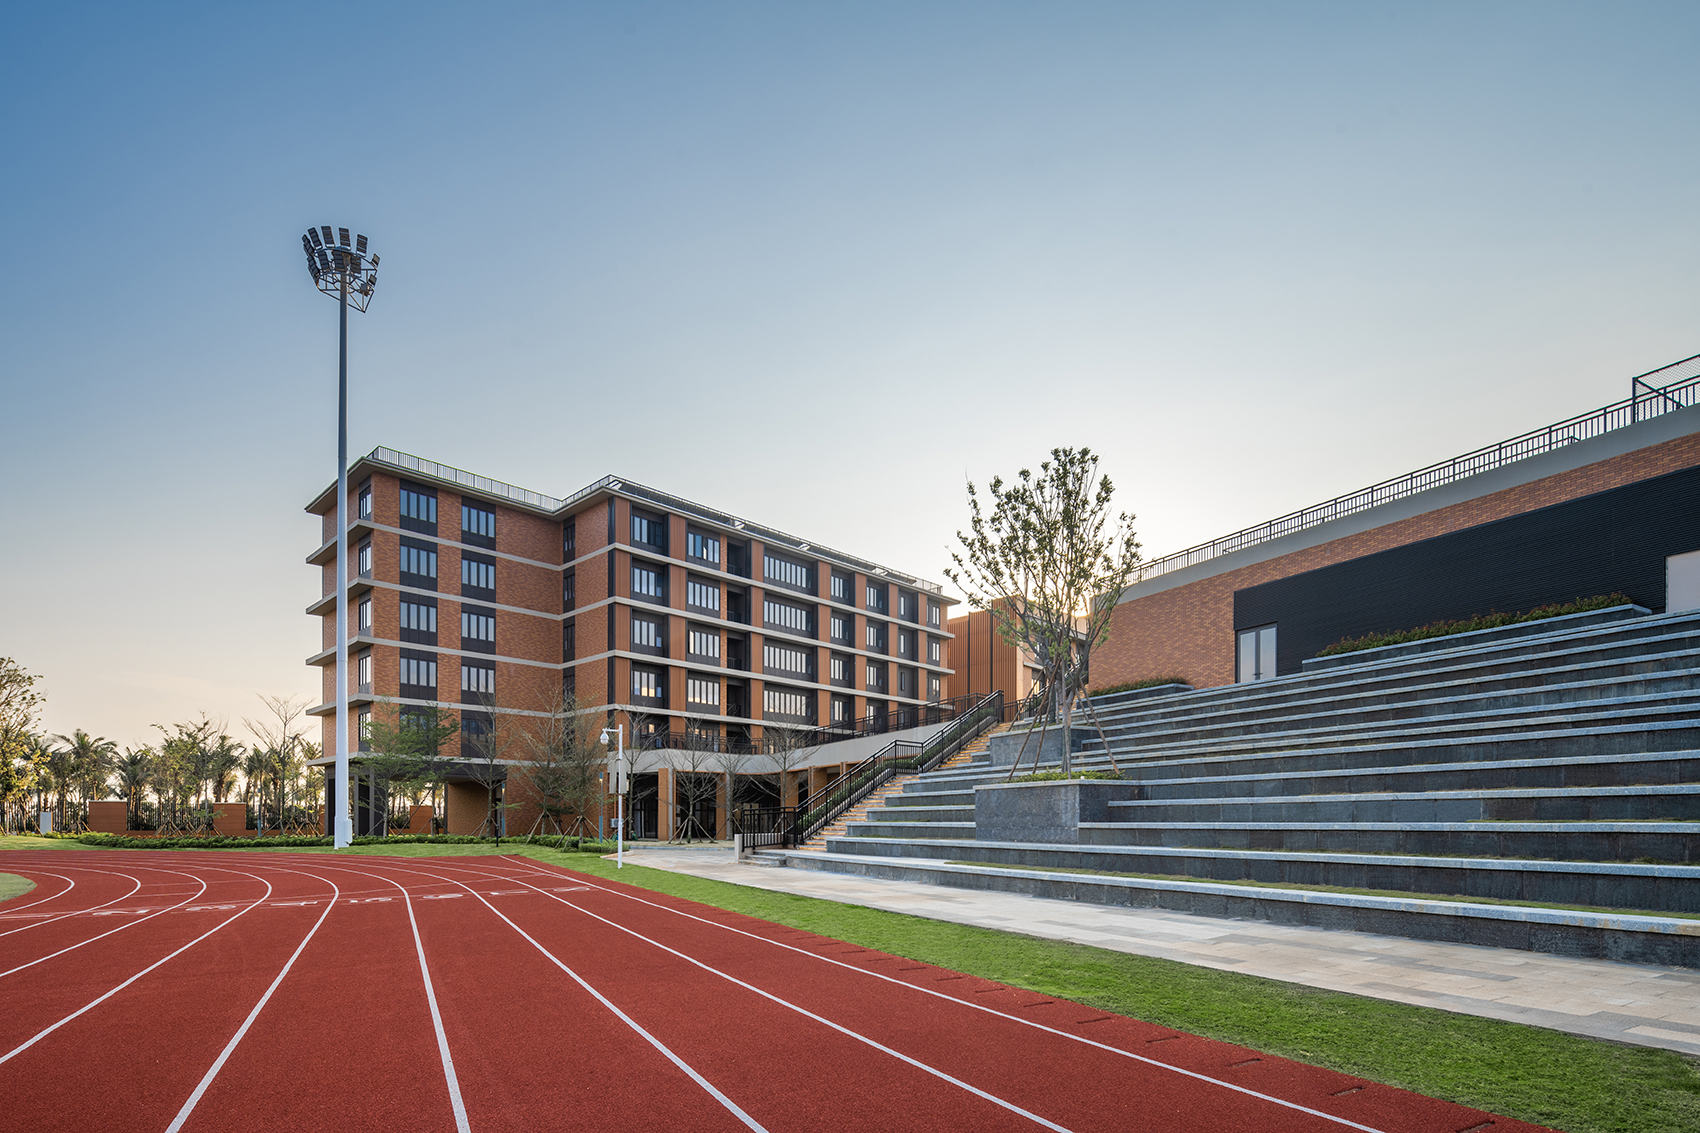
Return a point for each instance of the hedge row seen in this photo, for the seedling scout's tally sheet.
(1471, 625)
(1132, 686)
(225, 842)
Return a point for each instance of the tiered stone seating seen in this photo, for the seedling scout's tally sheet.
(1553, 763)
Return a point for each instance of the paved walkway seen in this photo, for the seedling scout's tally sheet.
(1642, 1005)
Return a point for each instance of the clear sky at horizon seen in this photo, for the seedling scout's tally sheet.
(813, 264)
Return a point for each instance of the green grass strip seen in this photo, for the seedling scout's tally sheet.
(1403, 894)
(1568, 1082)
(11, 885)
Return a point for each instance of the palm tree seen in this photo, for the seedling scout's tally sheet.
(134, 770)
(84, 763)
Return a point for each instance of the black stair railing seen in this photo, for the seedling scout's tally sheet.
(791, 826)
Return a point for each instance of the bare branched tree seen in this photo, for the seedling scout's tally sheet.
(1049, 563)
(563, 771)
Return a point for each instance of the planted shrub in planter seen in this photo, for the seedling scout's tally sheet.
(1471, 625)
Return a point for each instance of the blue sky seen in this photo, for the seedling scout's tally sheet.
(1255, 255)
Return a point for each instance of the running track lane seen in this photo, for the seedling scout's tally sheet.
(499, 954)
(105, 902)
(981, 1033)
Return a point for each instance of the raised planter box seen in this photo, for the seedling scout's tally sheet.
(1045, 812)
(1004, 748)
(1476, 637)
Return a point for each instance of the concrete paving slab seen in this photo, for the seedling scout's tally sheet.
(1641, 1005)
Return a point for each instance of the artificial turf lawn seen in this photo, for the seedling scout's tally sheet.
(1568, 1082)
(11, 885)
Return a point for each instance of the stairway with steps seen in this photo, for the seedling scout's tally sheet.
(1466, 781)
(973, 750)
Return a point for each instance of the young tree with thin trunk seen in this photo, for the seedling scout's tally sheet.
(489, 750)
(564, 768)
(1049, 563)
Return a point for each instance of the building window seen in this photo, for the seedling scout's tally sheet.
(646, 633)
(418, 622)
(787, 573)
(787, 704)
(933, 685)
(363, 505)
(363, 623)
(905, 681)
(418, 509)
(649, 530)
(840, 670)
(363, 728)
(703, 643)
(933, 614)
(646, 582)
(418, 564)
(841, 628)
(906, 607)
(646, 685)
(933, 651)
(905, 643)
(842, 707)
(569, 542)
(477, 526)
(702, 691)
(876, 598)
(784, 659)
(477, 680)
(784, 615)
(841, 584)
(704, 547)
(363, 673)
(477, 573)
(569, 587)
(876, 677)
(478, 630)
(569, 685)
(569, 640)
(419, 673)
(363, 560)
(702, 595)
(876, 636)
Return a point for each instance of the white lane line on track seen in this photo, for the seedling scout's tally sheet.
(120, 928)
(1347, 1122)
(462, 1125)
(92, 1004)
(69, 885)
(135, 884)
(732, 1107)
(230, 1047)
(803, 1011)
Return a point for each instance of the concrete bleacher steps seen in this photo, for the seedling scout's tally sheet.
(1554, 762)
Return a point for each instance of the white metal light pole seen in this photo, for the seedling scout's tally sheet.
(342, 269)
(619, 795)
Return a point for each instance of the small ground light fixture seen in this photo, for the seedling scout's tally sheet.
(343, 269)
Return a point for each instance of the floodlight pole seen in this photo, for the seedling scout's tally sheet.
(619, 795)
(344, 823)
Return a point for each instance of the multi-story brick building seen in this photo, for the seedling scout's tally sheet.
(687, 625)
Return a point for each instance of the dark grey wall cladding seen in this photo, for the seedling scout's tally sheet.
(1612, 541)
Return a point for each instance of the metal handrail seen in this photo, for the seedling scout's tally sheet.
(1646, 401)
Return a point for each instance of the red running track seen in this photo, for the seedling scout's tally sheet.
(165, 991)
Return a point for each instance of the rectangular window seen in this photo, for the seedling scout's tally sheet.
(842, 707)
(905, 681)
(876, 636)
(906, 605)
(787, 704)
(784, 615)
(419, 673)
(363, 560)
(478, 629)
(363, 623)
(905, 643)
(787, 573)
(363, 672)
(702, 691)
(477, 526)
(704, 547)
(569, 640)
(418, 509)
(933, 651)
(363, 508)
(841, 584)
(703, 643)
(646, 633)
(477, 574)
(569, 592)
(418, 622)
(933, 684)
(876, 598)
(702, 595)
(418, 564)
(840, 627)
(1257, 654)
(569, 542)
(477, 680)
(840, 669)
(650, 530)
(933, 614)
(646, 582)
(646, 685)
(363, 727)
(784, 659)
(876, 677)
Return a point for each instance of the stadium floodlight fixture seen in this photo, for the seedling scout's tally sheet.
(343, 269)
(619, 786)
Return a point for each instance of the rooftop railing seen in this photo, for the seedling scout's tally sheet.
(466, 479)
(1646, 400)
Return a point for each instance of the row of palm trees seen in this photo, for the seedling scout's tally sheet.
(172, 786)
